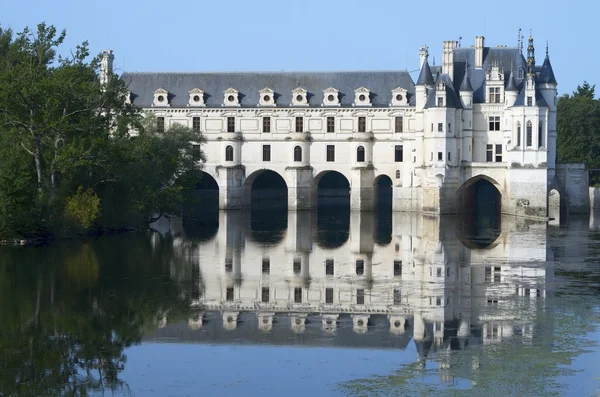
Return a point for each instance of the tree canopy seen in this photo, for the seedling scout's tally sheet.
(70, 160)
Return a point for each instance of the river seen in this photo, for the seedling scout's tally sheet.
(294, 303)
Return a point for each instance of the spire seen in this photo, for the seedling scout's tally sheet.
(531, 57)
(425, 77)
(546, 73)
(466, 83)
(512, 85)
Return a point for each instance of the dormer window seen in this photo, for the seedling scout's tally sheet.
(299, 97)
(267, 97)
(494, 95)
(362, 97)
(231, 97)
(161, 97)
(440, 101)
(399, 97)
(196, 97)
(520, 73)
(529, 101)
(331, 97)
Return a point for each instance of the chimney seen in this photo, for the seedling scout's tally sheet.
(448, 58)
(423, 54)
(106, 66)
(479, 42)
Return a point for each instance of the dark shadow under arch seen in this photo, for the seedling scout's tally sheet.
(382, 191)
(267, 195)
(331, 193)
(331, 189)
(200, 219)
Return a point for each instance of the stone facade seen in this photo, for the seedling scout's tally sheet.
(486, 114)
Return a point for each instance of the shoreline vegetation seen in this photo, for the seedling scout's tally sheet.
(76, 159)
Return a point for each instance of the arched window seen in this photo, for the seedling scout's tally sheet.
(360, 154)
(529, 134)
(229, 153)
(518, 133)
(297, 153)
(397, 174)
(541, 134)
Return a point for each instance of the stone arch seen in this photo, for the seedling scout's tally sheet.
(382, 189)
(330, 187)
(265, 188)
(202, 219)
(480, 199)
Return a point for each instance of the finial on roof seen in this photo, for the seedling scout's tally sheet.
(546, 47)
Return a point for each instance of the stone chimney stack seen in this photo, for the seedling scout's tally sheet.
(448, 58)
(423, 54)
(479, 44)
(106, 66)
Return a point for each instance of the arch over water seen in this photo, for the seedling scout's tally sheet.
(200, 220)
(481, 201)
(555, 213)
(265, 189)
(331, 189)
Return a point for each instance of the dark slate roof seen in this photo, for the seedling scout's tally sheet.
(452, 99)
(425, 76)
(380, 84)
(512, 84)
(539, 98)
(507, 58)
(546, 74)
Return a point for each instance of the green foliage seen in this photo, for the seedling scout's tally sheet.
(83, 207)
(62, 130)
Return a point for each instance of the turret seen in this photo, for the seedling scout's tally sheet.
(466, 90)
(511, 91)
(424, 82)
(547, 82)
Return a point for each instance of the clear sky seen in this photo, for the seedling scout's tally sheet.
(278, 35)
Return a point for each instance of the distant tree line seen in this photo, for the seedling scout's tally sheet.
(68, 163)
(578, 129)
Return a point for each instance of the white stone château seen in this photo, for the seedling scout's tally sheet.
(486, 115)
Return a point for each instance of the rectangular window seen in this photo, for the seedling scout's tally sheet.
(196, 151)
(440, 127)
(299, 124)
(265, 295)
(330, 124)
(360, 267)
(431, 127)
(362, 124)
(489, 155)
(329, 267)
(228, 265)
(399, 124)
(266, 152)
(329, 296)
(439, 271)
(266, 124)
(297, 265)
(529, 101)
(229, 294)
(494, 95)
(196, 124)
(440, 101)
(360, 296)
(330, 153)
(449, 156)
(440, 156)
(230, 124)
(160, 124)
(449, 127)
(266, 266)
(398, 154)
(298, 295)
(498, 153)
(540, 135)
(494, 123)
(397, 268)
(397, 297)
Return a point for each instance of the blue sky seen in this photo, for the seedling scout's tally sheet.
(313, 35)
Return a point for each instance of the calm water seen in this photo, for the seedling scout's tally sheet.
(334, 303)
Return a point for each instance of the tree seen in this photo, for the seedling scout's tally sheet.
(64, 131)
(578, 127)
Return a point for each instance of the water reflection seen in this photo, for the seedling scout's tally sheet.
(369, 279)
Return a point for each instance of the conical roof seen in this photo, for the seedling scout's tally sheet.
(466, 82)
(512, 84)
(425, 77)
(546, 75)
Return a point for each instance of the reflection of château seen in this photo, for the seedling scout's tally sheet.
(423, 277)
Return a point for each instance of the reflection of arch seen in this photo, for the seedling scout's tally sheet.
(333, 227)
(265, 188)
(331, 188)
